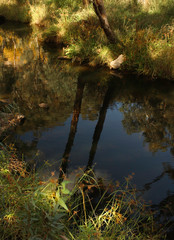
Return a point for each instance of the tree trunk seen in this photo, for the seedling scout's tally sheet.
(101, 13)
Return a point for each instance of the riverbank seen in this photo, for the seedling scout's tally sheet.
(33, 208)
(144, 29)
(9, 118)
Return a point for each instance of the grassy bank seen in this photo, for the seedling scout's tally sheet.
(31, 208)
(144, 27)
(9, 118)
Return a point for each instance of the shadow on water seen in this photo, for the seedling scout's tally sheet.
(90, 118)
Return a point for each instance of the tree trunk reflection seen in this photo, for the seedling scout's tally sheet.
(99, 126)
(73, 128)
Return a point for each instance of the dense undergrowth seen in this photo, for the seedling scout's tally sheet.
(144, 27)
(31, 208)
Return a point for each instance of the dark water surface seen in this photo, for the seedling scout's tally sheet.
(90, 117)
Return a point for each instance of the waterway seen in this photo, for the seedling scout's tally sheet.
(118, 124)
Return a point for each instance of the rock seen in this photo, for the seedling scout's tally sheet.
(43, 105)
(117, 62)
(4, 101)
(64, 58)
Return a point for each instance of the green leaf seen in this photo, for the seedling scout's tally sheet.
(58, 193)
(65, 191)
(62, 204)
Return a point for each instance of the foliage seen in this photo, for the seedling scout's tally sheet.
(117, 213)
(33, 209)
(15, 11)
(30, 209)
(147, 108)
(145, 28)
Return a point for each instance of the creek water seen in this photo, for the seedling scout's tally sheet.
(117, 124)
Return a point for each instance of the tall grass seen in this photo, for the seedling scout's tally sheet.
(145, 27)
(31, 208)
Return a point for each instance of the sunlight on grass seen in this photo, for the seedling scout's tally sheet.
(38, 13)
(142, 26)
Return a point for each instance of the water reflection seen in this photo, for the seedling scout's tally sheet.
(73, 128)
(92, 118)
(99, 125)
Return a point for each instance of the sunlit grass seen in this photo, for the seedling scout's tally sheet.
(145, 27)
(38, 13)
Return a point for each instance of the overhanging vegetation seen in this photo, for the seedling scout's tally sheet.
(143, 31)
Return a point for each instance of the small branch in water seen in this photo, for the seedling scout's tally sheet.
(64, 58)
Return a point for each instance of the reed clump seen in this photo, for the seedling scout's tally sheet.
(31, 208)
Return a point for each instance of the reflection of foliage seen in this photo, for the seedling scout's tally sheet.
(153, 119)
(38, 78)
(31, 75)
